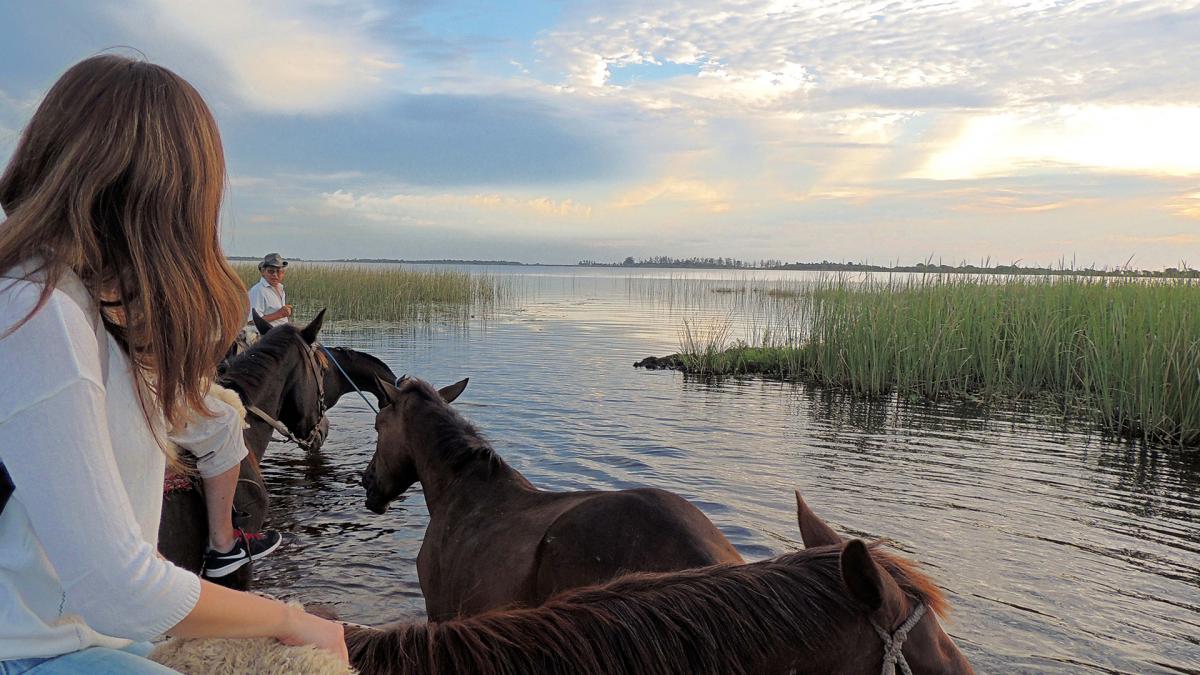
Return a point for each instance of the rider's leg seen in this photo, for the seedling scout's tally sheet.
(219, 448)
(218, 501)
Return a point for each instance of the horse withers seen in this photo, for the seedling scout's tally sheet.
(493, 538)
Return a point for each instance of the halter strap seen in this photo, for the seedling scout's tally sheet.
(893, 643)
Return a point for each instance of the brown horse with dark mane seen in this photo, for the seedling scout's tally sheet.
(494, 539)
(834, 608)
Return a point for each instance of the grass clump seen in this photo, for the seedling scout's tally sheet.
(1126, 350)
(362, 293)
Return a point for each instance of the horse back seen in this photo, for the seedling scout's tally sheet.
(613, 533)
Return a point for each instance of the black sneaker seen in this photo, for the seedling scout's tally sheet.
(249, 546)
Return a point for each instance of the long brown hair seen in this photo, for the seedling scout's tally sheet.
(118, 178)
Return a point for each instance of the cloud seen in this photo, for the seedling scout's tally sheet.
(436, 208)
(1138, 139)
(1187, 205)
(1179, 239)
(707, 196)
(924, 54)
(760, 128)
(278, 56)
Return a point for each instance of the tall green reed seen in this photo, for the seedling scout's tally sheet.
(370, 293)
(1127, 350)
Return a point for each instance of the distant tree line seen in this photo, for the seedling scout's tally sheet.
(935, 268)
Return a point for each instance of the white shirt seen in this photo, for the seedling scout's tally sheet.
(266, 299)
(78, 559)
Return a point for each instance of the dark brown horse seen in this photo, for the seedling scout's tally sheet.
(281, 376)
(345, 369)
(833, 608)
(496, 540)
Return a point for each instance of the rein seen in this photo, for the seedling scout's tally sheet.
(893, 643)
(343, 372)
(305, 444)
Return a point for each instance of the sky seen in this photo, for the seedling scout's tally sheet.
(1040, 132)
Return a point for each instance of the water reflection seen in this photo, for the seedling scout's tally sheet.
(1061, 550)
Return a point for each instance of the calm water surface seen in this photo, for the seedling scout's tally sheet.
(1059, 550)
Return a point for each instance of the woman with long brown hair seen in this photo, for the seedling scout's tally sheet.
(115, 307)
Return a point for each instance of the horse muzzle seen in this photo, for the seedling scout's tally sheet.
(376, 505)
(375, 502)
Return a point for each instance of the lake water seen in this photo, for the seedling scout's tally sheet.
(1060, 550)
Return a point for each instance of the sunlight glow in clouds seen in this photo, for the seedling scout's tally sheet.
(1135, 139)
(877, 130)
(708, 197)
(278, 56)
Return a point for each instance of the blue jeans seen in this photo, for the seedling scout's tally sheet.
(92, 661)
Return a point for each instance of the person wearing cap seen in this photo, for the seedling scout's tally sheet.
(267, 297)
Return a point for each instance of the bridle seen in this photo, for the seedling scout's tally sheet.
(893, 643)
(316, 436)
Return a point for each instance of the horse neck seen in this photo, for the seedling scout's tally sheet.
(480, 479)
(362, 373)
(267, 396)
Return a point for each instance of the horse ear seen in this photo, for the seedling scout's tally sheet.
(451, 392)
(387, 392)
(260, 323)
(813, 530)
(868, 582)
(309, 333)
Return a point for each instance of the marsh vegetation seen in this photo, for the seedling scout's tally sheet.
(386, 293)
(1126, 351)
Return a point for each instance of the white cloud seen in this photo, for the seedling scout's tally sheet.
(279, 56)
(1016, 52)
(1135, 139)
(383, 208)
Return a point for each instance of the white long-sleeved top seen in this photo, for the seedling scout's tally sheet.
(78, 538)
(266, 299)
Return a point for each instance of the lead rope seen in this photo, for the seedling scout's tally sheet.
(343, 372)
(893, 644)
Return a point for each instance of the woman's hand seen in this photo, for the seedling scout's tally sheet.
(225, 613)
(301, 628)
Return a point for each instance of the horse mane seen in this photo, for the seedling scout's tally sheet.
(912, 580)
(459, 443)
(247, 370)
(722, 619)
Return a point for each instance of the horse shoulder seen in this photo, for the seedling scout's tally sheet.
(638, 530)
(466, 566)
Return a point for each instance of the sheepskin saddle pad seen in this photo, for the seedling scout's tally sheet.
(255, 656)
